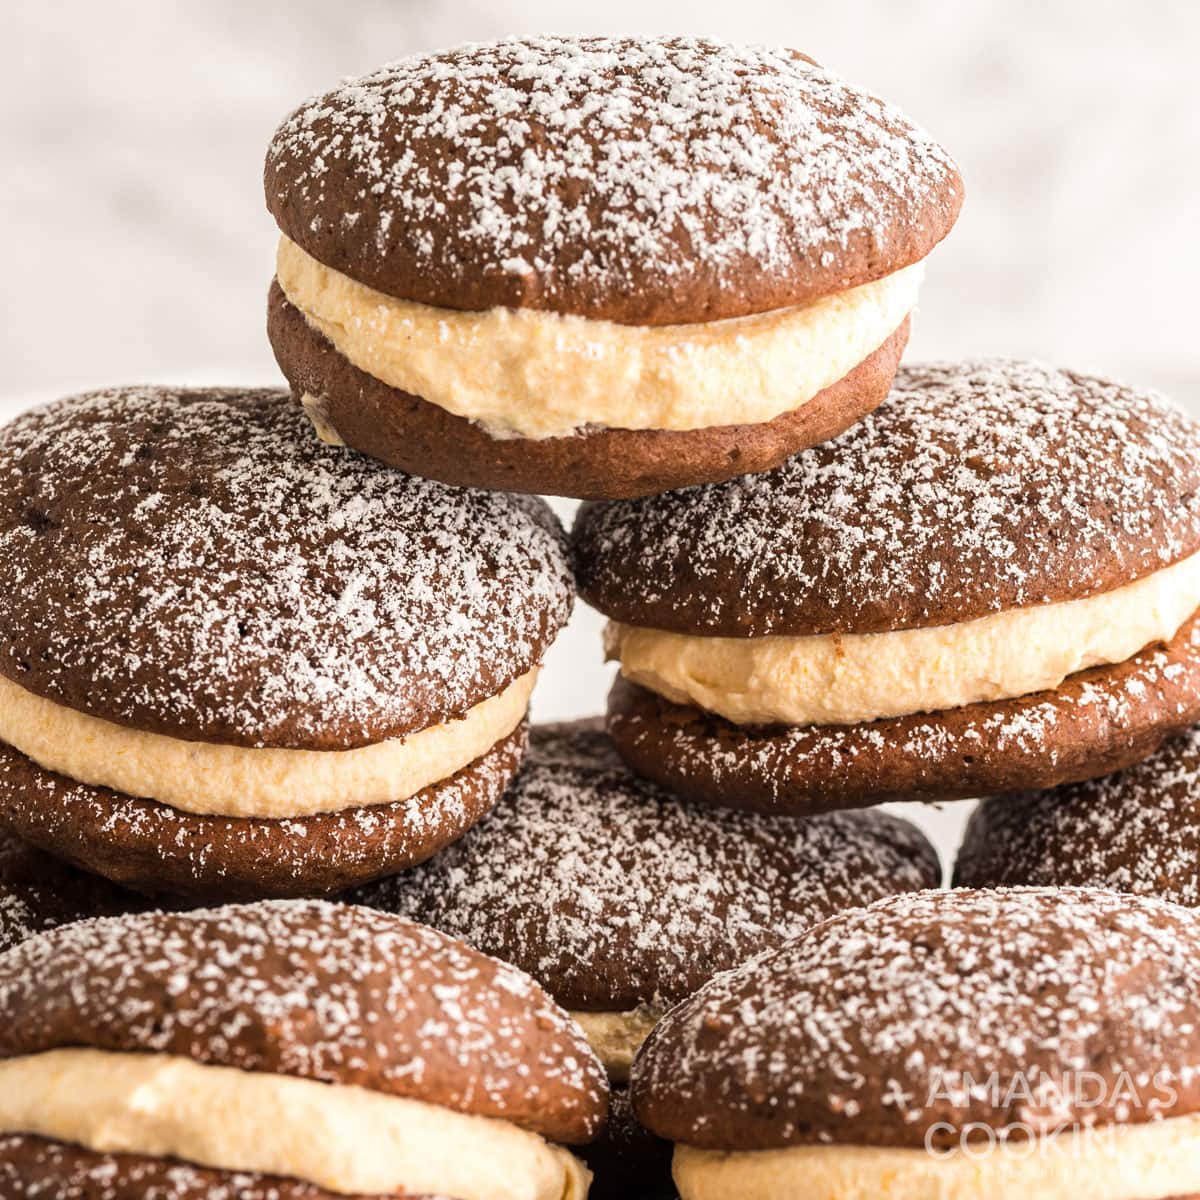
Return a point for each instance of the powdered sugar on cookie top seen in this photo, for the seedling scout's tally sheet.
(197, 562)
(581, 165)
(309, 989)
(977, 486)
(612, 893)
(940, 1007)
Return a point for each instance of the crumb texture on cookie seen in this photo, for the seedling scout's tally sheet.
(319, 991)
(869, 1029)
(975, 487)
(196, 563)
(613, 894)
(1136, 831)
(647, 180)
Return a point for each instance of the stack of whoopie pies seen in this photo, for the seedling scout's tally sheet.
(274, 651)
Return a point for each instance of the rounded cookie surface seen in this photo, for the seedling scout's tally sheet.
(319, 991)
(1095, 722)
(611, 463)
(196, 563)
(160, 851)
(38, 892)
(613, 894)
(647, 181)
(1136, 831)
(974, 488)
(868, 1029)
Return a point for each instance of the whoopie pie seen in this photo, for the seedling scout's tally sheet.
(236, 662)
(284, 1050)
(1007, 1044)
(989, 584)
(621, 901)
(597, 266)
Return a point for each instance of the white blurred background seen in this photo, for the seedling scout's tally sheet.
(136, 246)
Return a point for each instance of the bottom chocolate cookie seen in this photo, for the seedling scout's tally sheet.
(157, 850)
(33, 1168)
(430, 441)
(1095, 722)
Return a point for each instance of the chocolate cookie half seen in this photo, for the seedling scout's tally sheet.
(308, 1048)
(1002, 1043)
(597, 266)
(990, 583)
(1136, 831)
(235, 662)
(38, 892)
(621, 901)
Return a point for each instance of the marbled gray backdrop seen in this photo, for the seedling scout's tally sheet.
(135, 245)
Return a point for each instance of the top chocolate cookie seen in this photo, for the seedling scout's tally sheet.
(197, 563)
(317, 991)
(644, 181)
(976, 487)
(869, 1029)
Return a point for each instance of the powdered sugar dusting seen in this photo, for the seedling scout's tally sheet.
(198, 562)
(309, 989)
(976, 486)
(586, 163)
(612, 893)
(863, 1029)
(1136, 831)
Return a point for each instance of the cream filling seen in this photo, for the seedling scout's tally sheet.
(342, 1138)
(1147, 1161)
(240, 781)
(616, 1037)
(525, 373)
(842, 679)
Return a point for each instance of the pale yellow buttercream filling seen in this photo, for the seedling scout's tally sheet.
(1147, 1161)
(841, 679)
(531, 374)
(341, 1138)
(616, 1037)
(239, 781)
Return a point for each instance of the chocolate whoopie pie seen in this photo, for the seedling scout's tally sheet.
(622, 901)
(1007, 1044)
(284, 1050)
(597, 267)
(988, 584)
(235, 662)
(37, 892)
(1136, 831)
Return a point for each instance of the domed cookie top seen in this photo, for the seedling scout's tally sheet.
(197, 563)
(976, 487)
(863, 1030)
(1136, 831)
(649, 181)
(312, 990)
(612, 893)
